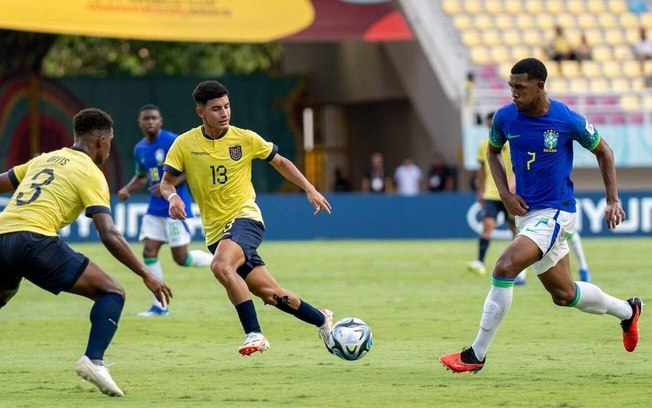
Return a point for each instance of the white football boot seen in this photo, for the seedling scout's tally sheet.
(326, 328)
(98, 375)
(253, 342)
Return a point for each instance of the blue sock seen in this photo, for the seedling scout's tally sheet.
(484, 245)
(248, 319)
(305, 312)
(105, 316)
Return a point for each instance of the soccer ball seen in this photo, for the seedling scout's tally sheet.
(350, 339)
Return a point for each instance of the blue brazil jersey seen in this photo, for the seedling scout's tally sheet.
(149, 158)
(542, 152)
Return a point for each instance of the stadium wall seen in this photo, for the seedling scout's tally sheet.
(359, 216)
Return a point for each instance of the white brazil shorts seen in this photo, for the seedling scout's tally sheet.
(164, 229)
(548, 228)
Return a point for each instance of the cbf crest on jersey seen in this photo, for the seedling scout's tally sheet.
(235, 152)
(550, 139)
(159, 155)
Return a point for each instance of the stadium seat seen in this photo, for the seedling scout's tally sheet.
(493, 6)
(638, 84)
(557, 85)
(503, 21)
(544, 21)
(500, 53)
(513, 6)
(620, 84)
(614, 36)
(579, 84)
(553, 70)
(617, 6)
(462, 22)
(525, 21)
(629, 20)
(646, 20)
(647, 68)
(570, 69)
(573, 35)
(586, 20)
(512, 37)
(606, 20)
(533, 37)
(480, 55)
(471, 38)
(483, 22)
(535, 6)
(491, 37)
(630, 102)
(553, 6)
(472, 6)
(519, 52)
(602, 53)
(591, 69)
(631, 69)
(631, 35)
(622, 52)
(576, 6)
(452, 6)
(596, 6)
(594, 36)
(611, 69)
(599, 84)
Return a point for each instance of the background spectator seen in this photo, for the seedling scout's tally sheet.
(375, 179)
(643, 47)
(342, 184)
(440, 176)
(583, 51)
(408, 178)
(560, 48)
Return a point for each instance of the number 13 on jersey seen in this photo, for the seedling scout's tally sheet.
(219, 174)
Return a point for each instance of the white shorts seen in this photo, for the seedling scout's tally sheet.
(164, 229)
(548, 228)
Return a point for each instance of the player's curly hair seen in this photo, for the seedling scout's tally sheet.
(534, 69)
(208, 90)
(91, 119)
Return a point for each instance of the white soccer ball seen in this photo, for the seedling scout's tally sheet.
(350, 339)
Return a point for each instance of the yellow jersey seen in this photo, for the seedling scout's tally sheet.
(52, 190)
(490, 189)
(218, 172)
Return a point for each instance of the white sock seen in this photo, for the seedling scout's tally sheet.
(576, 243)
(199, 258)
(156, 269)
(593, 300)
(496, 306)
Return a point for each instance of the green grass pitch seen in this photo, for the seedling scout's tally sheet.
(417, 297)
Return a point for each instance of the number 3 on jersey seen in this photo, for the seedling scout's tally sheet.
(36, 186)
(219, 174)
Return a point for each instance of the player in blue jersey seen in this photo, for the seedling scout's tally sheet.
(541, 133)
(49, 192)
(157, 228)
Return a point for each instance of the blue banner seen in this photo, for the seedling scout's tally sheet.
(363, 216)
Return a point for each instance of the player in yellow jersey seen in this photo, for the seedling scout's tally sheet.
(491, 203)
(216, 159)
(50, 191)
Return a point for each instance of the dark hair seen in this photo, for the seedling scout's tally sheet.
(148, 106)
(532, 67)
(89, 120)
(208, 90)
(490, 115)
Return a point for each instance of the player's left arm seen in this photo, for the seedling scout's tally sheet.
(288, 170)
(614, 212)
(6, 183)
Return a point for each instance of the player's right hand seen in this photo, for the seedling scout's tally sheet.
(515, 204)
(123, 194)
(160, 289)
(177, 208)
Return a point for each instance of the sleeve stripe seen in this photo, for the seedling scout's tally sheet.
(169, 169)
(13, 178)
(97, 209)
(491, 142)
(595, 144)
(272, 154)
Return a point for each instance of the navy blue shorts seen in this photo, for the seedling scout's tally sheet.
(248, 234)
(492, 208)
(47, 262)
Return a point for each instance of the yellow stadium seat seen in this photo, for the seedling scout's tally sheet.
(638, 84)
(647, 101)
(480, 55)
(524, 21)
(452, 6)
(513, 6)
(544, 21)
(462, 22)
(647, 67)
(599, 84)
(533, 37)
(590, 69)
(576, 6)
(611, 69)
(570, 69)
(503, 21)
(587, 21)
(620, 84)
(554, 6)
(630, 102)
(491, 37)
(573, 35)
(578, 84)
(473, 6)
(483, 21)
(614, 36)
(512, 37)
(557, 85)
(632, 35)
(565, 20)
(553, 69)
(601, 52)
(596, 6)
(607, 20)
(538, 52)
(519, 52)
(500, 53)
(631, 69)
(622, 52)
(493, 6)
(629, 20)
(617, 6)
(646, 20)
(534, 6)
(594, 36)
(471, 38)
